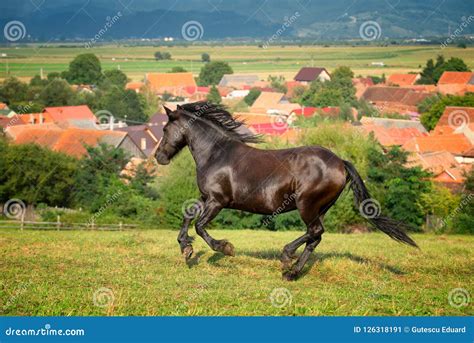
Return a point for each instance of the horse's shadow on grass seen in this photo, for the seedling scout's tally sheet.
(320, 257)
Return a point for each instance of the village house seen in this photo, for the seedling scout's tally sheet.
(135, 86)
(170, 83)
(392, 132)
(238, 81)
(395, 99)
(306, 75)
(456, 82)
(71, 141)
(361, 84)
(273, 103)
(402, 80)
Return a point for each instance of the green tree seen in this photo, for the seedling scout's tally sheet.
(463, 221)
(162, 55)
(277, 83)
(38, 176)
(37, 81)
(205, 57)
(250, 98)
(214, 96)
(178, 69)
(433, 71)
(342, 72)
(212, 72)
(57, 93)
(13, 90)
(114, 78)
(124, 104)
(84, 69)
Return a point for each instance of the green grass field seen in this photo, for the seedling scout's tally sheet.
(26, 61)
(142, 273)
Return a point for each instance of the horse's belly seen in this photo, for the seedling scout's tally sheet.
(264, 202)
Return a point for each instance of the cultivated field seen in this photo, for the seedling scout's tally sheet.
(142, 273)
(26, 61)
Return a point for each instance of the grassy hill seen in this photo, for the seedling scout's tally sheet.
(143, 273)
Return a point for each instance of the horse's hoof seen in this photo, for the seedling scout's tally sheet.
(188, 252)
(290, 275)
(228, 249)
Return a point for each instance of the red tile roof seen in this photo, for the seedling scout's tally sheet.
(134, 85)
(456, 116)
(402, 79)
(305, 111)
(457, 144)
(66, 113)
(392, 135)
(405, 96)
(455, 77)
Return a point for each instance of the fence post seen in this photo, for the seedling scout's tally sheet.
(58, 222)
(120, 226)
(22, 225)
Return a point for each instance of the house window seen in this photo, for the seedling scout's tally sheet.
(143, 143)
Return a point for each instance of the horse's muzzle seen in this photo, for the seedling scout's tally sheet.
(162, 159)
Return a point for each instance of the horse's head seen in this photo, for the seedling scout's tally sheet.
(173, 140)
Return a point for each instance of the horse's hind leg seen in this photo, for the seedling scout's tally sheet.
(211, 209)
(315, 232)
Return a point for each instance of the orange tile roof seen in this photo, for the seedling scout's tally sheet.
(34, 118)
(254, 118)
(389, 136)
(160, 82)
(402, 79)
(455, 77)
(65, 113)
(134, 85)
(70, 141)
(435, 162)
(456, 116)
(457, 144)
(3, 106)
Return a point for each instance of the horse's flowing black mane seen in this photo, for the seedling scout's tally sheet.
(218, 115)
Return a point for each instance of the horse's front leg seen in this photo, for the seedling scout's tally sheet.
(211, 210)
(184, 239)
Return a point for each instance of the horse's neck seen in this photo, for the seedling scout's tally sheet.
(205, 145)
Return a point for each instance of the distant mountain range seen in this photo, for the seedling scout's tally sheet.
(219, 19)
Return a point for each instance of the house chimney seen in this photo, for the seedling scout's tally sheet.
(32, 119)
(111, 123)
(41, 118)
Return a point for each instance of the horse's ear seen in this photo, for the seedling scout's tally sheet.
(167, 110)
(178, 107)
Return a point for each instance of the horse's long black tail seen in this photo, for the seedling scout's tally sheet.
(370, 208)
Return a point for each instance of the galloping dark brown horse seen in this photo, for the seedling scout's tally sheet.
(232, 174)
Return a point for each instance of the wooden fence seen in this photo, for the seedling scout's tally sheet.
(23, 224)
